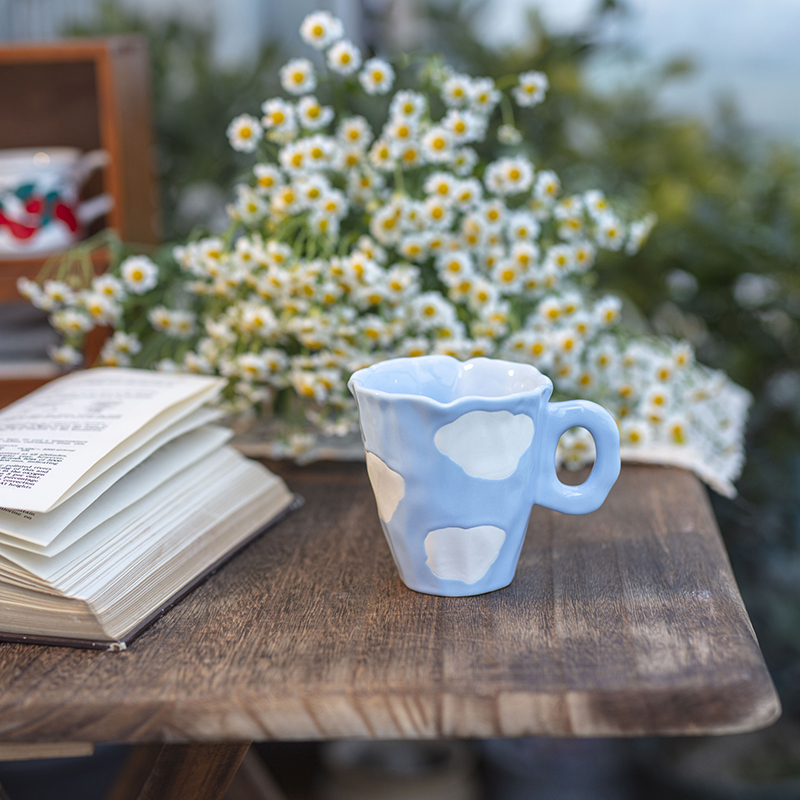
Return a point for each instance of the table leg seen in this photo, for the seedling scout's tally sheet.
(200, 771)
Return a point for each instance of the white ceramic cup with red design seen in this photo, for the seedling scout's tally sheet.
(40, 208)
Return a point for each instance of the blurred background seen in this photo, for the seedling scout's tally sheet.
(684, 107)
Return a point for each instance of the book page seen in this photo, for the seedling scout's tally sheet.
(40, 529)
(52, 535)
(144, 521)
(59, 438)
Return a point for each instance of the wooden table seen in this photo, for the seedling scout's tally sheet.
(625, 622)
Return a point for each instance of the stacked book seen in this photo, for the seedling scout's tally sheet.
(118, 494)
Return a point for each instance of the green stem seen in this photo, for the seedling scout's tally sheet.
(506, 81)
(507, 110)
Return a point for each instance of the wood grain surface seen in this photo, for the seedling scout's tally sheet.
(623, 622)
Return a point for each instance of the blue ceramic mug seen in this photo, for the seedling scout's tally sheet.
(458, 453)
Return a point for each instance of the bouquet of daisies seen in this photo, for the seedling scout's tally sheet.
(353, 242)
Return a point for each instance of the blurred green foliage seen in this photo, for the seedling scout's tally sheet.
(721, 267)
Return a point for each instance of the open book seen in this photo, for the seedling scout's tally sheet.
(118, 495)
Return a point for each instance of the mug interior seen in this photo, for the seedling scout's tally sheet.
(445, 379)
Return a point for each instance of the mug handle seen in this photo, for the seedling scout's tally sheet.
(90, 210)
(589, 495)
(89, 162)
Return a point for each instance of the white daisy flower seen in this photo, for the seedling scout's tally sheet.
(596, 204)
(438, 212)
(29, 289)
(547, 186)
(571, 206)
(311, 114)
(409, 154)
(244, 133)
(472, 231)
(571, 228)
(321, 29)
(400, 130)
(437, 145)
(101, 308)
(430, 310)
(560, 257)
(249, 206)
(463, 161)
(312, 188)
(531, 89)
(634, 433)
(414, 347)
(509, 176)
(71, 322)
(583, 256)
(126, 343)
(457, 90)
(610, 233)
(638, 233)
(298, 77)
(66, 356)
(507, 275)
(508, 134)
(467, 193)
(464, 126)
(139, 273)
(344, 57)
(355, 132)
(484, 96)
(320, 151)
(377, 76)
(494, 213)
(268, 178)
(607, 310)
(277, 112)
(109, 286)
(522, 225)
(408, 105)
(109, 357)
(381, 156)
(524, 254)
(439, 183)
(453, 266)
